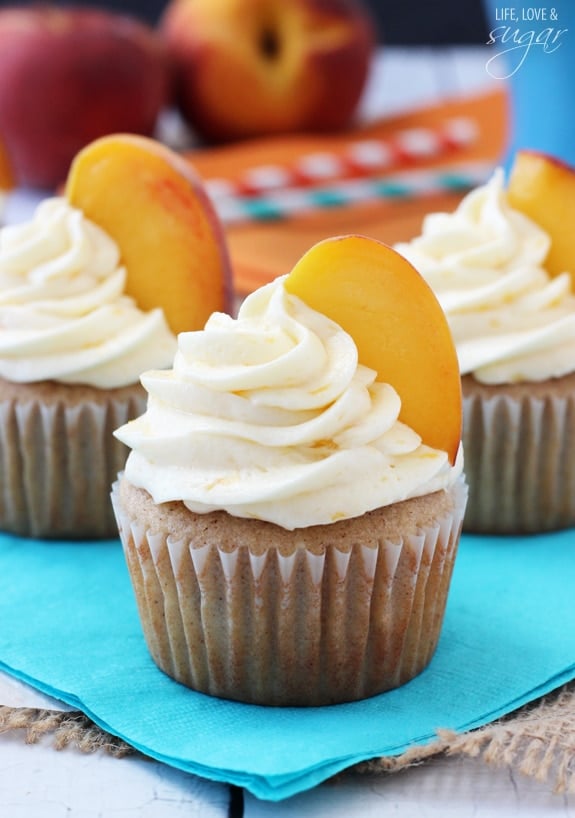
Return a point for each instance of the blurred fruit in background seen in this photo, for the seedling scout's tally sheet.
(69, 75)
(248, 68)
(6, 173)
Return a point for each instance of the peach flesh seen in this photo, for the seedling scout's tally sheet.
(151, 202)
(543, 188)
(399, 328)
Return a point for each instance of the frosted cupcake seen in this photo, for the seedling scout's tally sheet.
(514, 330)
(72, 347)
(290, 540)
(92, 292)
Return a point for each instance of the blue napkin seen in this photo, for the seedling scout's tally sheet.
(69, 626)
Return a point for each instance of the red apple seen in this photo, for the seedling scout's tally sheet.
(70, 75)
(248, 68)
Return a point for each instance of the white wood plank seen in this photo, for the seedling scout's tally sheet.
(443, 788)
(405, 78)
(400, 79)
(37, 781)
(469, 69)
(14, 693)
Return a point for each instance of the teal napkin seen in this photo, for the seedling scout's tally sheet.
(69, 627)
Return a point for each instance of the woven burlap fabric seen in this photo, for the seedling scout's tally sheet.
(538, 740)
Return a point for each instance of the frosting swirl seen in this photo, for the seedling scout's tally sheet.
(270, 416)
(510, 320)
(64, 314)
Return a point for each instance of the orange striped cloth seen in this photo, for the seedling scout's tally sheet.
(279, 196)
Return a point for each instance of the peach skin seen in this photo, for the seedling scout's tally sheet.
(70, 75)
(247, 68)
(151, 202)
(399, 328)
(543, 188)
(7, 181)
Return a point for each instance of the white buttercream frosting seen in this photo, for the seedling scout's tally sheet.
(64, 314)
(270, 416)
(511, 321)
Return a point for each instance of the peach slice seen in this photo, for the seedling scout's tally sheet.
(151, 202)
(6, 174)
(399, 328)
(543, 188)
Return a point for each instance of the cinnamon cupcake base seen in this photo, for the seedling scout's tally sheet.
(246, 610)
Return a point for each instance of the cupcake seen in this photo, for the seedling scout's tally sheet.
(72, 347)
(93, 291)
(514, 329)
(290, 540)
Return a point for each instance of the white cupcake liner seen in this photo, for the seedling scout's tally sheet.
(519, 463)
(300, 628)
(57, 464)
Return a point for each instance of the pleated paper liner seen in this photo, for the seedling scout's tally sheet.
(331, 615)
(58, 457)
(519, 444)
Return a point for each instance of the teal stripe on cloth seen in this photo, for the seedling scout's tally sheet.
(288, 202)
(69, 626)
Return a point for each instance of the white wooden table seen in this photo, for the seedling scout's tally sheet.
(38, 782)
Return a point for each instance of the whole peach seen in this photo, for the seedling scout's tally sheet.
(69, 75)
(248, 68)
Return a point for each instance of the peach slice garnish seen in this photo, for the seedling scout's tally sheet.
(543, 188)
(151, 202)
(399, 328)
(7, 181)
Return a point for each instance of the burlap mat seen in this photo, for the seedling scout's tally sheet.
(537, 740)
